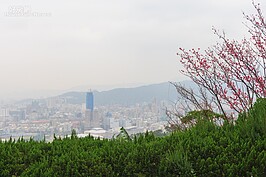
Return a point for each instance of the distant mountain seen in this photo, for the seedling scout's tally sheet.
(125, 96)
(128, 96)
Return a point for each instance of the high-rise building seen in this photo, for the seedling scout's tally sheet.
(89, 109)
(89, 101)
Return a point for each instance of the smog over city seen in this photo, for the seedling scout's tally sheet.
(49, 47)
(123, 52)
(131, 73)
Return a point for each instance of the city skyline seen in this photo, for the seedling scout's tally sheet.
(49, 45)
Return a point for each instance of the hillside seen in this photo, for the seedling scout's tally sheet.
(126, 96)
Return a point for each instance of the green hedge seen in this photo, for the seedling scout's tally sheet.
(203, 150)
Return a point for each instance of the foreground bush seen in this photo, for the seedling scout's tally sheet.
(203, 150)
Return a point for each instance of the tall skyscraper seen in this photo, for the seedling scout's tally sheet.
(89, 109)
(89, 101)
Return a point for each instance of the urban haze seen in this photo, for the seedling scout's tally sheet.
(66, 64)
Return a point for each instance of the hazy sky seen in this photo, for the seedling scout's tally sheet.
(59, 44)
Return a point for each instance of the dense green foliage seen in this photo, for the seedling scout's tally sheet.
(203, 150)
(199, 115)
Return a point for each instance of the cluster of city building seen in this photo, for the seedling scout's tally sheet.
(46, 118)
